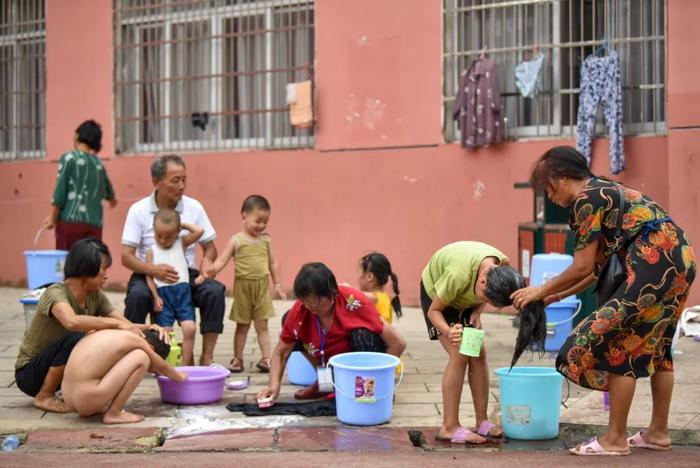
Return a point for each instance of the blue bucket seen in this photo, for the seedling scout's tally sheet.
(530, 399)
(299, 369)
(364, 384)
(44, 266)
(559, 318)
(545, 267)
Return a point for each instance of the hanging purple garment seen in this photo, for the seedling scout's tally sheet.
(477, 106)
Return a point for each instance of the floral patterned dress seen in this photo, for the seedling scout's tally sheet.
(631, 333)
(82, 183)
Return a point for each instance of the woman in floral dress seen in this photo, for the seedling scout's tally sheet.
(630, 335)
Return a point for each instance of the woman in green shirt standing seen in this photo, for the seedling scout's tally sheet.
(81, 186)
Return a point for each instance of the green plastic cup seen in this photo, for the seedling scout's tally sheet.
(472, 339)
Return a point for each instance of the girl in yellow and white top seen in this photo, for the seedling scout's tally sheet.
(375, 271)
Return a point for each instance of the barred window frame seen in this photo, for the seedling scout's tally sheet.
(257, 29)
(634, 28)
(22, 79)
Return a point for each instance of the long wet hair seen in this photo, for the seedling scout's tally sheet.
(501, 282)
(559, 162)
(377, 264)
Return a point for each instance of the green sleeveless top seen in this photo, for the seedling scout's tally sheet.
(252, 256)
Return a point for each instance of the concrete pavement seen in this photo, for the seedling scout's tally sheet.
(417, 405)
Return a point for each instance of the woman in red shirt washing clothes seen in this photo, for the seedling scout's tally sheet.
(327, 320)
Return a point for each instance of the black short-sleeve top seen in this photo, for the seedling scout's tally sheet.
(594, 215)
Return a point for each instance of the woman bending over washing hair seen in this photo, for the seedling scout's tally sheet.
(457, 283)
(501, 282)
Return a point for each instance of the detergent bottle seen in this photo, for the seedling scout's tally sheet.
(175, 355)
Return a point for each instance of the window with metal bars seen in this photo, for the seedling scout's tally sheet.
(566, 32)
(22, 79)
(210, 74)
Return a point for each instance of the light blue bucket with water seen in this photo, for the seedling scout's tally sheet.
(44, 266)
(299, 369)
(364, 385)
(530, 399)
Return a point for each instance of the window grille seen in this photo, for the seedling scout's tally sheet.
(566, 32)
(22, 79)
(210, 74)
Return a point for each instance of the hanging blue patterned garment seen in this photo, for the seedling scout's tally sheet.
(600, 83)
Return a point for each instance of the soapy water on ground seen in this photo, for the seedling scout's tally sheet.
(195, 420)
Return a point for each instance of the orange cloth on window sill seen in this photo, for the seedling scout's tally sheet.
(301, 113)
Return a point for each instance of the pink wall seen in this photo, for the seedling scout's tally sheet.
(327, 205)
(683, 84)
(378, 70)
(684, 121)
(79, 61)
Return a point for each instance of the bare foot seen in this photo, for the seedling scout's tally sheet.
(657, 438)
(461, 436)
(52, 405)
(492, 430)
(205, 360)
(613, 444)
(121, 418)
(474, 438)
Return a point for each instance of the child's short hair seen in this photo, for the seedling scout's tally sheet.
(159, 346)
(255, 201)
(167, 217)
(85, 258)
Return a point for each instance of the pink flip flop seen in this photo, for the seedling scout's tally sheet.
(460, 436)
(485, 427)
(593, 448)
(636, 441)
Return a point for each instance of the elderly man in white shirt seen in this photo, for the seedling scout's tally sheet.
(169, 179)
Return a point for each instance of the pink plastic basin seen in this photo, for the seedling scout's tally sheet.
(203, 385)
